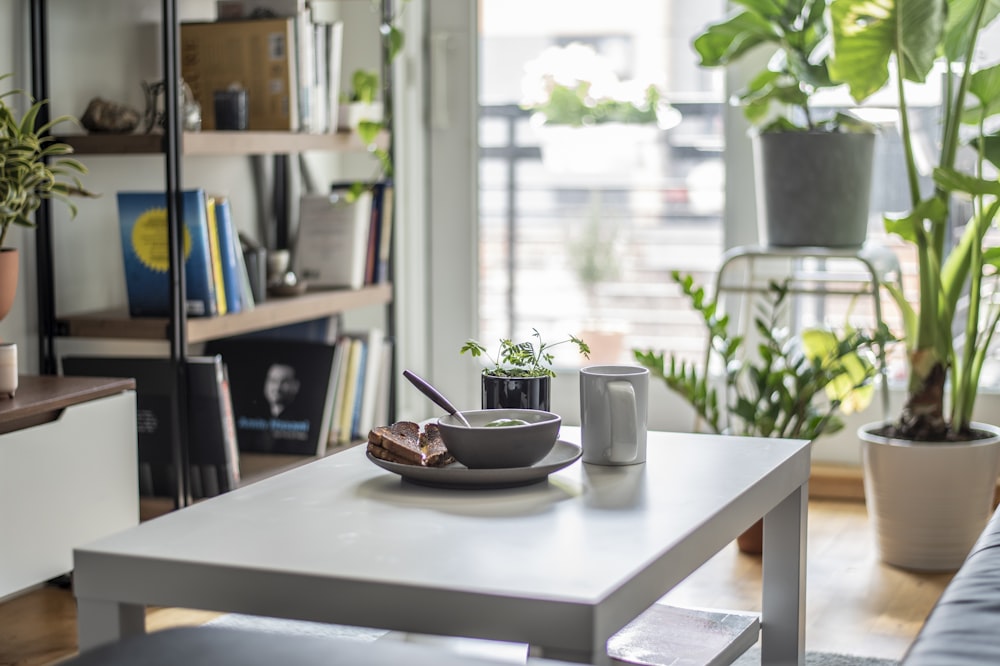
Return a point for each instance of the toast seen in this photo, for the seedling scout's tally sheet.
(403, 442)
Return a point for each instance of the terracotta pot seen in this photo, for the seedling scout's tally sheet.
(752, 540)
(8, 279)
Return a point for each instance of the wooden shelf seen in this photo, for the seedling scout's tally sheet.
(273, 312)
(218, 143)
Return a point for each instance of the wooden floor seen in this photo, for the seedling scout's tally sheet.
(855, 604)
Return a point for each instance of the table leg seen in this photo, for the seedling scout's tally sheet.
(100, 622)
(783, 603)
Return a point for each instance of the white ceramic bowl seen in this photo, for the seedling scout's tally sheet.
(483, 446)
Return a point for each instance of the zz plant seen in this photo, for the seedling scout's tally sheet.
(787, 386)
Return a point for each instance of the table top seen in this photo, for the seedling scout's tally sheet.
(40, 398)
(342, 540)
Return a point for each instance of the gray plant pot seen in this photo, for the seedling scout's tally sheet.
(813, 188)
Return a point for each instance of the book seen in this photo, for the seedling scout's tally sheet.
(215, 256)
(374, 341)
(142, 218)
(259, 54)
(348, 387)
(332, 239)
(213, 451)
(384, 260)
(233, 282)
(281, 393)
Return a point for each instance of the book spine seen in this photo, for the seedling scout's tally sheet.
(231, 256)
(218, 280)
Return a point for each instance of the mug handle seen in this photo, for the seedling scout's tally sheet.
(624, 422)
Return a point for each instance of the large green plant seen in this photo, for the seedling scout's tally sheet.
(32, 166)
(778, 97)
(786, 386)
(881, 41)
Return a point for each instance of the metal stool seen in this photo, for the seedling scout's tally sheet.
(813, 271)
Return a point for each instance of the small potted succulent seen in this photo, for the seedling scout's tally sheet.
(518, 377)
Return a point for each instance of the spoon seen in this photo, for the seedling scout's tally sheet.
(434, 395)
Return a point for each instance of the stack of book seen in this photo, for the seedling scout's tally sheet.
(293, 395)
(216, 275)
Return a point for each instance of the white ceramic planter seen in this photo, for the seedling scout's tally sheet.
(928, 502)
(597, 149)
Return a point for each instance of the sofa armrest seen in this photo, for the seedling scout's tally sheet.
(964, 626)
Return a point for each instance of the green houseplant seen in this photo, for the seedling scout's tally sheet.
(520, 373)
(946, 341)
(588, 120)
(34, 167)
(784, 385)
(812, 169)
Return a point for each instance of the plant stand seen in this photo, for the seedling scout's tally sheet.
(813, 271)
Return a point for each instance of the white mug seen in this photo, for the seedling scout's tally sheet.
(614, 402)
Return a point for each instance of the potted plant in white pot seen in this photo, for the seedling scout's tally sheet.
(780, 384)
(587, 120)
(519, 376)
(931, 474)
(812, 173)
(33, 168)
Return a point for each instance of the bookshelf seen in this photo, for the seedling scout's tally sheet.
(175, 145)
(219, 143)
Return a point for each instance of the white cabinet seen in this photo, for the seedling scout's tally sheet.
(68, 462)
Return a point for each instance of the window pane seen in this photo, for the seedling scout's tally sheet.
(579, 229)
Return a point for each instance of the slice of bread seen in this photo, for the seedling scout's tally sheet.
(433, 447)
(403, 442)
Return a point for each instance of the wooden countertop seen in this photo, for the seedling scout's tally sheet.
(40, 398)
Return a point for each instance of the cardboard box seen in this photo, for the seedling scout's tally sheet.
(258, 55)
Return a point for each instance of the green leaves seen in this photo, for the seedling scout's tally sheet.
(796, 30)
(32, 166)
(522, 359)
(785, 386)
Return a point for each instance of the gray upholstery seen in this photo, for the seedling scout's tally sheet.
(220, 646)
(964, 626)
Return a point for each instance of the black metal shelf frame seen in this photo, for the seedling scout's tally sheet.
(172, 153)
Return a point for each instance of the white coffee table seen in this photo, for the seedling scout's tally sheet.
(561, 565)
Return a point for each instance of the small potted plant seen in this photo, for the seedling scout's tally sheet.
(587, 120)
(33, 168)
(518, 377)
(790, 386)
(361, 104)
(593, 254)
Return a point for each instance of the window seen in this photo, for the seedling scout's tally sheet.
(579, 230)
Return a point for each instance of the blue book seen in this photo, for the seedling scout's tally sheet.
(228, 247)
(142, 220)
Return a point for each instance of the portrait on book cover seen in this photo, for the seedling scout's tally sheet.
(280, 393)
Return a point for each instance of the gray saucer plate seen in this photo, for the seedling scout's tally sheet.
(458, 475)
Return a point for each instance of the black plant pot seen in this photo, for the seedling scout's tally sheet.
(516, 392)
